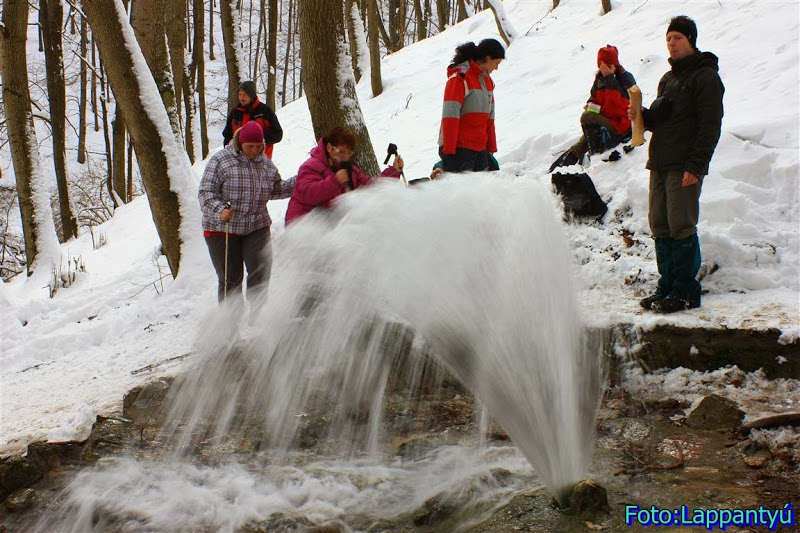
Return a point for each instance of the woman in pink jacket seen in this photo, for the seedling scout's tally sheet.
(329, 173)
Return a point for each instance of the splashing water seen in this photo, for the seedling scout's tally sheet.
(473, 273)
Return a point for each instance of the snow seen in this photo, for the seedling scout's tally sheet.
(66, 359)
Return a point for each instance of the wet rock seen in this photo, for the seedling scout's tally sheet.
(435, 510)
(109, 436)
(16, 472)
(588, 498)
(715, 412)
(143, 405)
(415, 447)
(20, 500)
(759, 459)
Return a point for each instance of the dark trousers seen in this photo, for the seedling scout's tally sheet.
(673, 214)
(464, 160)
(253, 251)
(591, 120)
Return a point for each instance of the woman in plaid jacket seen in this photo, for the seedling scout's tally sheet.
(237, 183)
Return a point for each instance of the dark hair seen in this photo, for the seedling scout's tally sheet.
(478, 52)
(249, 87)
(340, 135)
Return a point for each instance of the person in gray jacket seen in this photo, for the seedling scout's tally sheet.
(686, 120)
(237, 183)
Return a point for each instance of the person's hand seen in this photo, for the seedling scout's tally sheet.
(225, 216)
(343, 176)
(631, 113)
(435, 173)
(605, 70)
(689, 179)
(398, 163)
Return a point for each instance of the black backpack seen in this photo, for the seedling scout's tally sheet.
(579, 195)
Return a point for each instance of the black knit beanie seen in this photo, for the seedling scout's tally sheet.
(249, 87)
(686, 26)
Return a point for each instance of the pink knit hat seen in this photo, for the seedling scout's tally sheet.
(251, 132)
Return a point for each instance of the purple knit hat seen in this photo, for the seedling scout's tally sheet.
(251, 132)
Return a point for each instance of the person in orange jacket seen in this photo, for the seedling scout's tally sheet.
(250, 108)
(467, 134)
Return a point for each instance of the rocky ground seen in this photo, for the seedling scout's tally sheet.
(649, 451)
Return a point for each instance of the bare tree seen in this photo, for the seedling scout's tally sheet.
(350, 16)
(82, 99)
(442, 13)
(51, 15)
(175, 23)
(38, 229)
(163, 165)
(329, 84)
(272, 52)
(606, 6)
(198, 70)
(397, 19)
(148, 19)
(118, 145)
(419, 16)
(232, 43)
(373, 21)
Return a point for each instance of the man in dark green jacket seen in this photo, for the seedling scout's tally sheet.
(685, 119)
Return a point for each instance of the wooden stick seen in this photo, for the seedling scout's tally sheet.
(635, 94)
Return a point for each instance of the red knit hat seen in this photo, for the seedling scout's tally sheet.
(251, 132)
(608, 55)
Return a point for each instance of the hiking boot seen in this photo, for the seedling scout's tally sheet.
(671, 304)
(647, 303)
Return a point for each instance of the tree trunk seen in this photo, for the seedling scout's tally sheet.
(199, 70)
(175, 27)
(422, 32)
(462, 11)
(211, 30)
(84, 79)
(442, 14)
(290, 40)
(374, 47)
(272, 52)
(329, 84)
(118, 181)
(555, 3)
(107, 137)
(396, 25)
(148, 125)
(504, 26)
(606, 6)
(51, 15)
(230, 40)
(38, 229)
(351, 37)
(148, 19)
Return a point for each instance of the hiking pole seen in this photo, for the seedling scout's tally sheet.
(225, 270)
(390, 151)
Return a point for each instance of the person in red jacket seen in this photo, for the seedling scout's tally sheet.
(467, 134)
(329, 173)
(605, 119)
(250, 108)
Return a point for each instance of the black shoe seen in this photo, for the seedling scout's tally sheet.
(670, 304)
(647, 303)
(614, 156)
